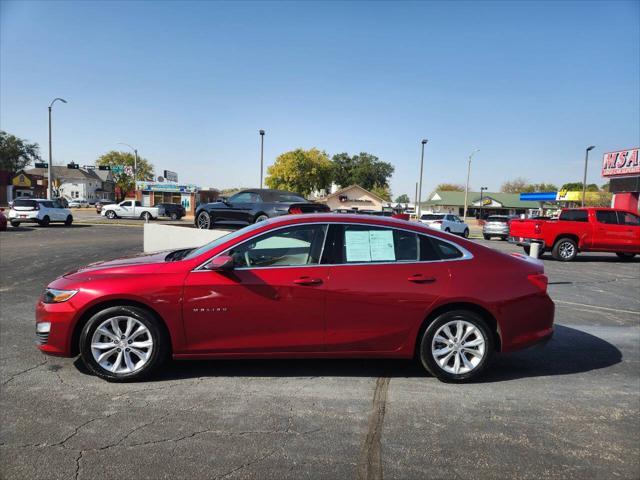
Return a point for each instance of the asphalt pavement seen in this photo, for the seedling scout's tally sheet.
(568, 410)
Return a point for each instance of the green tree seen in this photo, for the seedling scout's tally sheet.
(382, 191)
(450, 187)
(404, 198)
(577, 187)
(363, 169)
(301, 171)
(16, 153)
(516, 185)
(124, 180)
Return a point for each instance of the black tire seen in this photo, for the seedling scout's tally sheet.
(625, 256)
(503, 238)
(174, 216)
(428, 361)
(486, 237)
(447, 230)
(111, 215)
(261, 217)
(146, 216)
(159, 352)
(565, 249)
(69, 220)
(45, 221)
(14, 224)
(204, 221)
(465, 234)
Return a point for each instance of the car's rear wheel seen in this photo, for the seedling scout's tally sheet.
(447, 230)
(173, 216)
(465, 234)
(625, 255)
(457, 346)
(69, 220)
(111, 215)
(45, 221)
(565, 249)
(15, 224)
(123, 343)
(146, 216)
(503, 238)
(487, 237)
(204, 221)
(261, 218)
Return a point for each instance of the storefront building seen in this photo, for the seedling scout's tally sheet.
(480, 204)
(354, 198)
(622, 169)
(153, 193)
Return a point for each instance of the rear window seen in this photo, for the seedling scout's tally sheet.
(432, 216)
(498, 219)
(627, 218)
(574, 215)
(19, 202)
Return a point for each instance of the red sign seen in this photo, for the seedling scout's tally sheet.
(623, 162)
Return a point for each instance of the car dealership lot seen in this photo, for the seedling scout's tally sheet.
(570, 409)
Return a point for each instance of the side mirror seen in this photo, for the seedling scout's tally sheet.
(220, 264)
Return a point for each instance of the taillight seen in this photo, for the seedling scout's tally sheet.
(37, 207)
(537, 227)
(438, 222)
(540, 281)
(295, 210)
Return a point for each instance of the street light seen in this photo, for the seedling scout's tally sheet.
(466, 188)
(50, 169)
(135, 172)
(482, 190)
(261, 154)
(584, 179)
(419, 208)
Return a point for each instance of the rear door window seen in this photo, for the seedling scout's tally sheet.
(626, 218)
(609, 217)
(574, 215)
(371, 244)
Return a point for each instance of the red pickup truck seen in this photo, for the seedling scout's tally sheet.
(580, 230)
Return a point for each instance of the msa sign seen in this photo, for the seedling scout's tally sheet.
(623, 162)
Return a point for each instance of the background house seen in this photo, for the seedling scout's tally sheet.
(354, 197)
(490, 203)
(76, 183)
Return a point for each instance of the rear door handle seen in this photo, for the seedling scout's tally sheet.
(418, 278)
(307, 281)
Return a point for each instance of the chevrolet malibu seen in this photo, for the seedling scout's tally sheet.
(314, 285)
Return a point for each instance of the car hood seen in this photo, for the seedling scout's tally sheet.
(122, 265)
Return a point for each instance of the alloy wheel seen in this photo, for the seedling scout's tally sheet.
(121, 345)
(458, 347)
(566, 249)
(204, 222)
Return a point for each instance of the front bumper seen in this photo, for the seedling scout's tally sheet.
(61, 319)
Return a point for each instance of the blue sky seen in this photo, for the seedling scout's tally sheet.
(190, 84)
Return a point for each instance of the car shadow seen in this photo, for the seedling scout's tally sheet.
(570, 351)
(594, 259)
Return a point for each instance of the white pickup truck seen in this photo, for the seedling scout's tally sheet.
(130, 209)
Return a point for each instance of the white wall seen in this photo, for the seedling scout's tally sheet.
(158, 237)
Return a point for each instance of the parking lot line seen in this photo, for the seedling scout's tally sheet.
(599, 308)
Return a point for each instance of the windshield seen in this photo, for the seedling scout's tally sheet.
(219, 241)
(432, 216)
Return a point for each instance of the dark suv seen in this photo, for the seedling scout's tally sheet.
(251, 206)
(174, 211)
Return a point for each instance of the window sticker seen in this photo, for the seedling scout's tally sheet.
(382, 248)
(369, 246)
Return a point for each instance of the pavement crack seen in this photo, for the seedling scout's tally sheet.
(23, 372)
(370, 461)
(247, 464)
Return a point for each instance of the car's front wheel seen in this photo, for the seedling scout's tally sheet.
(45, 221)
(625, 255)
(203, 221)
(174, 216)
(111, 215)
(457, 346)
(69, 220)
(487, 237)
(261, 218)
(465, 234)
(123, 343)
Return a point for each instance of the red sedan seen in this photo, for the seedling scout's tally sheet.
(315, 285)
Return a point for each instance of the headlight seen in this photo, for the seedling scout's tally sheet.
(51, 295)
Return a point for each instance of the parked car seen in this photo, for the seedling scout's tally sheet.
(496, 226)
(297, 286)
(3, 221)
(581, 230)
(446, 222)
(42, 212)
(78, 204)
(131, 209)
(174, 211)
(102, 203)
(251, 206)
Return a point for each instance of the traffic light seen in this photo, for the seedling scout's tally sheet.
(41, 165)
(73, 166)
(104, 167)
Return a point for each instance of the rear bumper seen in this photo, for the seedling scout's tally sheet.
(526, 321)
(526, 242)
(495, 231)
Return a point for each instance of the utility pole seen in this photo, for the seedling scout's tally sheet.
(261, 155)
(584, 178)
(482, 190)
(50, 169)
(466, 188)
(419, 207)
(415, 200)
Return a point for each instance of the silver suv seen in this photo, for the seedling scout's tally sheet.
(496, 226)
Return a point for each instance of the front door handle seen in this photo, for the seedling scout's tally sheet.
(419, 278)
(307, 281)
